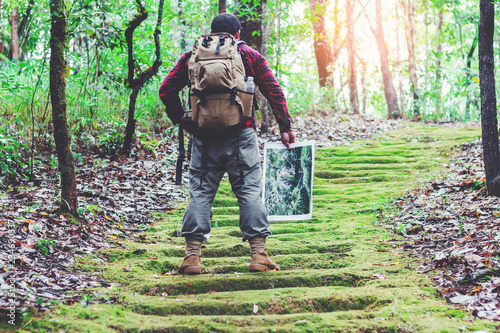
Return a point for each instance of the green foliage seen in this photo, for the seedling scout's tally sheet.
(42, 245)
(13, 153)
(109, 142)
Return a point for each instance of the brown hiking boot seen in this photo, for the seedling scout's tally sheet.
(262, 263)
(190, 265)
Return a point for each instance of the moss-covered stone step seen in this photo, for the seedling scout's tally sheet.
(326, 166)
(433, 317)
(205, 283)
(361, 175)
(306, 245)
(222, 265)
(275, 301)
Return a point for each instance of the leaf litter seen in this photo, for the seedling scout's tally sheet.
(116, 195)
(454, 226)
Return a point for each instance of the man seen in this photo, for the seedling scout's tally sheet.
(238, 156)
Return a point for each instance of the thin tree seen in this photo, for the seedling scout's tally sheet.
(222, 6)
(425, 5)
(138, 82)
(351, 53)
(489, 122)
(439, 51)
(69, 202)
(398, 65)
(265, 109)
(2, 45)
(14, 36)
(322, 47)
(278, 42)
(19, 30)
(389, 91)
(24, 26)
(250, 15)
(410, 33)
(468, 76)
(363, 86)
(336, 45)
(183, 26)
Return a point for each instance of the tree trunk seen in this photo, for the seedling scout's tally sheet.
(321, 43)
(278, 42)
(342, 84)
(336, 34)
(390, 92)
(2, 45)
(24, 26)
(142, 14)
(336, 47)
(265, 110)
(255, 35)
(409, 11)
(425, 4)
(489, 122)
(137, 83)
(469, 76)
(363, 87)
(439, 50)
(14, 35)
(398, 66)
(69, 202)
(222, 6)
(351, 52)
(251, 25)
(23, 30)
(183, 26)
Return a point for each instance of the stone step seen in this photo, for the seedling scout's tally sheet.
(122, 318)
(276, 301)
(232, 247)
(205, 283)
(230, 265)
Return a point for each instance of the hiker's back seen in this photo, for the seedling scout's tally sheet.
(219, 98)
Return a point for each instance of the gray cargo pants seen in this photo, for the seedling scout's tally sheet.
(240, 158)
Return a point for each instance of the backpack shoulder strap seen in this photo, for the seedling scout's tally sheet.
(244, 56)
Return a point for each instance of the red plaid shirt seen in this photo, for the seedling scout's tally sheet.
(255, 65)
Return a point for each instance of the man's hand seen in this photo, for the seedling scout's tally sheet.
(287, 138)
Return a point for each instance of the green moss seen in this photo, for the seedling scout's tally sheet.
(334, 277)
(455, 313)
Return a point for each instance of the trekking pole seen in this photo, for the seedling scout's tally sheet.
(180, 157)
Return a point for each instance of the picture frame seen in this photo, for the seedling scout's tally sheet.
(288, 180)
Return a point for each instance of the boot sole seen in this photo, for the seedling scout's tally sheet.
(258, 268)
(191, 270)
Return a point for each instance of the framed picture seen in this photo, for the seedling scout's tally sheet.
(288, 180)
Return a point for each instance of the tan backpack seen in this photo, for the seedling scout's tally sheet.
(220, 94)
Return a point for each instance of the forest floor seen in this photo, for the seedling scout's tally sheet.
(360, 264)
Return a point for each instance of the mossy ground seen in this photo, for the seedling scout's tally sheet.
(340, 271)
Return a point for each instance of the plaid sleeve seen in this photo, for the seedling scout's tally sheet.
(172, 85)
(257, 65)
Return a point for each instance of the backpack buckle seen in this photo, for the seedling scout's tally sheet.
(222, 41)
(233, 95)
(206, 41)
